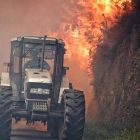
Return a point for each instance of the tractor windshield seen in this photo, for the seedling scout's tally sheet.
(32, 57)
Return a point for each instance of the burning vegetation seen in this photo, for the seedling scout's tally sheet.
(87, 23)
(103, 35)
(115, 67)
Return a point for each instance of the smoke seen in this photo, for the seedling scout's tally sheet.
(19, 18)
(38, 18)
(79, 79)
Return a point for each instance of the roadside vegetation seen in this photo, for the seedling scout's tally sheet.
(103, 131)
(116, 74)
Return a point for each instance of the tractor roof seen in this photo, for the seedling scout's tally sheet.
(37, 39)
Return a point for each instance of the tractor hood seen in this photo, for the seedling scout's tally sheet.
(36, 76)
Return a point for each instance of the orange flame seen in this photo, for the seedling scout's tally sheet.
(85, 26)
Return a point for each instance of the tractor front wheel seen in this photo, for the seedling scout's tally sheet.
(73, 106)
(5, 113)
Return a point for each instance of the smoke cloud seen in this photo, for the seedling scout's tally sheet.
(36, 17)
(31, 17)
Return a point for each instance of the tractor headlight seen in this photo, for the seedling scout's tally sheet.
(45, 91)
(33, 90)
(39, 91)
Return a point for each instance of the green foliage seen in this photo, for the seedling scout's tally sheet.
(96, 131)
(103, 131)
(126, 136)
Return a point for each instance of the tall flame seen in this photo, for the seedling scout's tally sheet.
(87, 24)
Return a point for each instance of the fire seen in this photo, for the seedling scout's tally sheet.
(110, 5)
(86, 25)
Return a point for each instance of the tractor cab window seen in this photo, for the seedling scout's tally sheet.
(15, 68)
(16, 53)
(32, 57)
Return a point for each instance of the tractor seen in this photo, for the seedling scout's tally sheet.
(39, 90)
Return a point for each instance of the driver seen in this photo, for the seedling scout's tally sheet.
(35, 62)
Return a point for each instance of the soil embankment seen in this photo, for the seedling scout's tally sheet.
(116, 69)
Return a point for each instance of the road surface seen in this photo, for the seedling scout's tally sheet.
(21, 131)
(30, 135)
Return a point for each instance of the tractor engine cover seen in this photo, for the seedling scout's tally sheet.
(37, 87)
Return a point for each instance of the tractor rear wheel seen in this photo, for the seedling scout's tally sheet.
(5, 113)
(73, 106)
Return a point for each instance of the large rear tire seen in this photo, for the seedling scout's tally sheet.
(73, 106)
(5, 113)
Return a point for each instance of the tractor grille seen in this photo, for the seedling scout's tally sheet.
(39, 106)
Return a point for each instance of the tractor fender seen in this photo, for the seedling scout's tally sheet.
(64, 85)
(5, 80)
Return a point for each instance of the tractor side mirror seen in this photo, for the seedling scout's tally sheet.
(65, 69)
(6, 64)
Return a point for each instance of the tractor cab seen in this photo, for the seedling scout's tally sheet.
(33, 62)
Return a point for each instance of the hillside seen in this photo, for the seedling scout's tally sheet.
(116, 69)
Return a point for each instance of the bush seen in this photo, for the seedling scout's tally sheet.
(103, 131)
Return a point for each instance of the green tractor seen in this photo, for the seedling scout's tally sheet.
(35, 88)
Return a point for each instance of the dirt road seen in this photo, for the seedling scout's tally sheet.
(21, 131)
(30, 135)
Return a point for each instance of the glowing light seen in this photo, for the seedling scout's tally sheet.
(85, 27)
